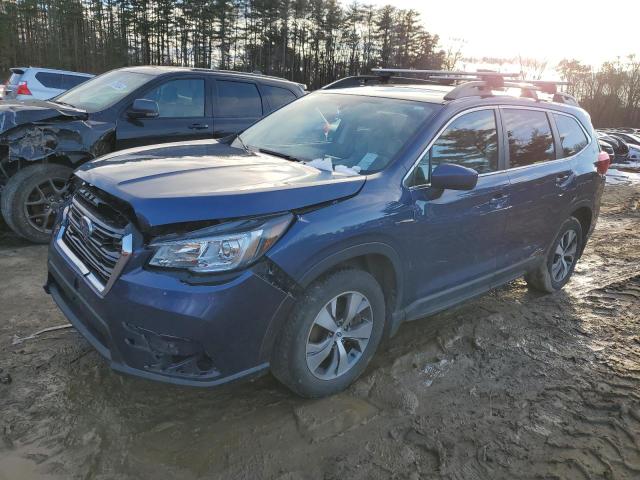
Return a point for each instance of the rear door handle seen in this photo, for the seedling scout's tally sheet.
(561, 178)
(198, 126)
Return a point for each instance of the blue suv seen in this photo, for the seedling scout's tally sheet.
(298, 245)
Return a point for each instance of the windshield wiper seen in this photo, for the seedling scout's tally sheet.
(279, 154)
(66, 104)
(244, 146)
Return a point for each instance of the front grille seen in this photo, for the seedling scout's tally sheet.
(99, 247)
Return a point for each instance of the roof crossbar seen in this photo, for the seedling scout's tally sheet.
(561, 97)
(484, 87)
(470, 84)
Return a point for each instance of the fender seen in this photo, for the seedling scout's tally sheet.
(396, 315)
(371, 248)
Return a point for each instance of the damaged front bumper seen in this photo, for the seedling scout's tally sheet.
(154, 325)
(42, 130)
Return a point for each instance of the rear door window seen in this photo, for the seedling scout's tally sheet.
(529, 136)
(572, 137)
(277, 96)
(470, 141)
(238, 99)
(179, 98)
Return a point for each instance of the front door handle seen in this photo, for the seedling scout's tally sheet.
(198, 126)
(499, 200)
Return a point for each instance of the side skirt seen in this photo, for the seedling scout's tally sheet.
(440, 301)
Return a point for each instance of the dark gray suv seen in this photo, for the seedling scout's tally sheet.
(41, 142)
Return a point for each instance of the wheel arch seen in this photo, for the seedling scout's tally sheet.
(584, 214)
(379, 259)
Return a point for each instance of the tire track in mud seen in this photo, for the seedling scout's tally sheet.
(606, 418)
(511, 385)
(548, 389)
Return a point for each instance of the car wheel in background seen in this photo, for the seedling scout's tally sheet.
(31, 198)
(561, 259)
(334, 330)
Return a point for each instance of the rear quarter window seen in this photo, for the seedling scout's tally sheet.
(278, 96)
(50, 80)
(572, 137)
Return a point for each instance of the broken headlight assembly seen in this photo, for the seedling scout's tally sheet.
(224, 247)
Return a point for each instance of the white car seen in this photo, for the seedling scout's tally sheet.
(41, 83)
(634, 152)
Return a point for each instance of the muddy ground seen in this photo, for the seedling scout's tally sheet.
(512, 385)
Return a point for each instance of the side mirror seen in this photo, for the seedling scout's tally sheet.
(143, 108)
(453, 177)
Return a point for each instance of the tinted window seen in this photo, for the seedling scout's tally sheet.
(179, 98)
(105, 90)
(49, 80)
(529, 135)
(278, 96)
(572, 136)
(238, 99)
(470, 141)
(70, 81)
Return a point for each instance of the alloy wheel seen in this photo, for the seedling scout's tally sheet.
(339, 335)
(564, 256)
(43, 202)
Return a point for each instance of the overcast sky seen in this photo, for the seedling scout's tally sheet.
(591, 31)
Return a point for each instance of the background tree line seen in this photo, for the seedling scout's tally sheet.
(611, 94)
(309, 41)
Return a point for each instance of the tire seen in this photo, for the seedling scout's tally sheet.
(22, 188)
(6, 217)
(544, 277)
(291, 359)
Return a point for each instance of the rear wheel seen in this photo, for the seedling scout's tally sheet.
(332, 334)
(31, 198)
(561, 259)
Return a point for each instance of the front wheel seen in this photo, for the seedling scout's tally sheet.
(31, 198)
(561, 259)
(332, 334)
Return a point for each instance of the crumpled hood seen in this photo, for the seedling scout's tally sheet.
(207, 180)
(14, 113)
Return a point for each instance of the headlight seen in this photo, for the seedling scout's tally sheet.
(221, 248)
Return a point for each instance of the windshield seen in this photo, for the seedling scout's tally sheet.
(353, 131)
(101, 92)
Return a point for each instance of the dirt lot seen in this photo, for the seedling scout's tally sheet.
(512, 385)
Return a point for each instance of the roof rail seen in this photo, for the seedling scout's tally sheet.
(363, 80)
(457, 75)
